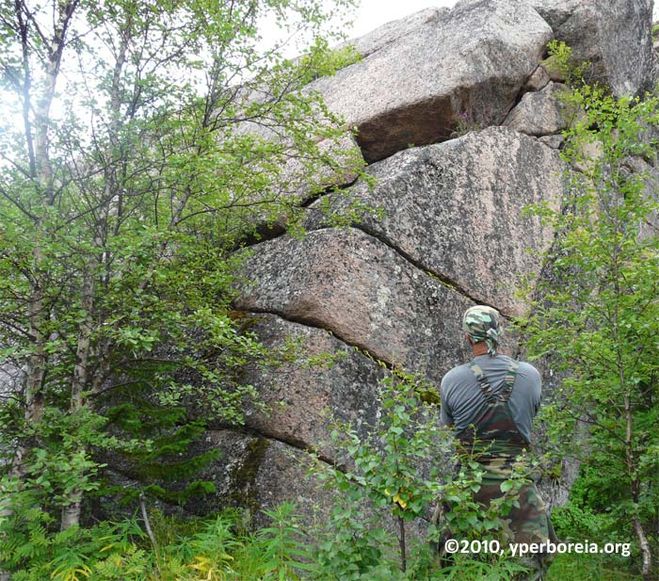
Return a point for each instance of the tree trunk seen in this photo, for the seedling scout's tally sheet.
(41, 174)
(636, 487)
(645, 548)
(71, 511)
(401, 544)
(35, 374)
(81, 380)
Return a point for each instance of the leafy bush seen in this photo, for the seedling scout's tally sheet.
(596, 316)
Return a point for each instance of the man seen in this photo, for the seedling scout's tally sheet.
(491, 402)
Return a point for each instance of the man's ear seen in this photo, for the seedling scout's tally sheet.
(469, 339)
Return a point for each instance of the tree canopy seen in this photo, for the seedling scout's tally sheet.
(148, 141)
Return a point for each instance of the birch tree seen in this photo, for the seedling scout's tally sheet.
(126, 180)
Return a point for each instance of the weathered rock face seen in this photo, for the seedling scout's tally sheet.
(541, 113)
(296, 178)
(538, 79)
(303, 177)
(363, 291)
(11, 379)
(392, 31)
(302, 398)
(456, 209)
(416, 88)
(395, 286)
(553, 141)
(650, 226)
(259, 473)
(615, 35)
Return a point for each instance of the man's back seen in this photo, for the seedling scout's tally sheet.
(502, 424)
(463, 401)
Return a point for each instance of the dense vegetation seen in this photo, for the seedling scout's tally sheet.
(596, 318)
(134, 162)
(125, 189)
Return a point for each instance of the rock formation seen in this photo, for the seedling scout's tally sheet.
(415, 86)
(453, 210)
(428, 100)
(541, 113)
(614, 35)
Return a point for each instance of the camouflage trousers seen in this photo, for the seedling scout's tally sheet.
(527, 523)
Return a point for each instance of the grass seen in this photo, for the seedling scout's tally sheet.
(589, 567)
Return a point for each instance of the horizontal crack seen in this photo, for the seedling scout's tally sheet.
(263, 233)
(266, 233)
(302, 447)
(441, 278)
(292, 442)
(316, 325)
(327, 191)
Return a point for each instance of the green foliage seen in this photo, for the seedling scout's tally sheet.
(465, 123)
(469, 520)
(283, 551)
(214, 548)
(588, 567)
(561, 62)
(162, 461)
(573, 522)
(476, 570)
(107, 551)
(392, 476)
(382, 475)
(596, 316)
(145, 142)
(222, 547)
(321, 61)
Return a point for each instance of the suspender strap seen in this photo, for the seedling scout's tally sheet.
(486, 389)
(509, 380)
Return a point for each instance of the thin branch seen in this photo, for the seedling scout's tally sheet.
(147, 524)
(27, 85)
(18, 204)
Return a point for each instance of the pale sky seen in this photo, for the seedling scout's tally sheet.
(367, 16)
(373, 13)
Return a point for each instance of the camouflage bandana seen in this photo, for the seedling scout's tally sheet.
(481, 323)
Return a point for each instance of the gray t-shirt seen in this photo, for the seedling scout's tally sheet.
(463, 402)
